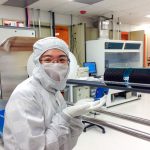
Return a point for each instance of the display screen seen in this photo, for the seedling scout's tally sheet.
(91, 66)
(113, 45)
(132, 46)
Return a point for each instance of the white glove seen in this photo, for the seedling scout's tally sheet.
(102, 101)
(83, 107)
(76, 110)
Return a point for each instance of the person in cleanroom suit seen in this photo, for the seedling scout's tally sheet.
(36, 115)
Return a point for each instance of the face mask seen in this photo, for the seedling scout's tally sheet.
(56, 71)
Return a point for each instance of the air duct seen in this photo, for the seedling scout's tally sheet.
(104, 26)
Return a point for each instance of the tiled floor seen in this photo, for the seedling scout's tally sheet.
(93, 139)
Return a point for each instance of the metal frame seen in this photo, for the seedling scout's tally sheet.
(144, 88)
(121, 128)
(127, 117)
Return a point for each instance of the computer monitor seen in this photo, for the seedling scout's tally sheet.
(91, 66)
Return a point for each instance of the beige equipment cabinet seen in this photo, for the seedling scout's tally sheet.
(81, 92)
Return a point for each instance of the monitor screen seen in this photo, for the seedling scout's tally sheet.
(91, 66)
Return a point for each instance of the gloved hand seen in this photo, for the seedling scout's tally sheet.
(83, 107)
(101, 101)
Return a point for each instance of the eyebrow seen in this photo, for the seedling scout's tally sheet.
(52, 56)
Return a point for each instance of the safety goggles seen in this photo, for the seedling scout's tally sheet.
(50, 59)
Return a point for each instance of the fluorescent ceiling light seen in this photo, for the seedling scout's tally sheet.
(90, 2)
(148, 16)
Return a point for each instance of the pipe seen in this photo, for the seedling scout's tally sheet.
(112, 85)
(51, 29)
(113, 27)
(27, 17)
(128, 84)
(85, 42)
(53, 23)
(33, 18)
(121, 128)
(39, 22)
(71, 35)
(124, 116)
(118, 28)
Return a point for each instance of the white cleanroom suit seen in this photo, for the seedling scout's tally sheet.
(36, 115)
(33, 116)
(34, 120)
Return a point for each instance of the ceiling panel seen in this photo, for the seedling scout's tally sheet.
(19, 3)
(47, 4)
(70, 7)
(2, 1)
(128, 11)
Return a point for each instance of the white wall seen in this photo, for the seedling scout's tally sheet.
(128, 27)
(59, 18)
(124, 27)
(16, 13)
(13, 13)
(145, 27)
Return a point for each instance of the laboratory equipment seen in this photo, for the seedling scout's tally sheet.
(82, 72)
(121, 128)
(114, 54)
(91, 66)
(81, 92)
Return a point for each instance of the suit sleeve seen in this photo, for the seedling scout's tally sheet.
(25, 120)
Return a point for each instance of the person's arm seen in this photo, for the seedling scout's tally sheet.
(76, 125)
(66, 129)
(25, 118)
